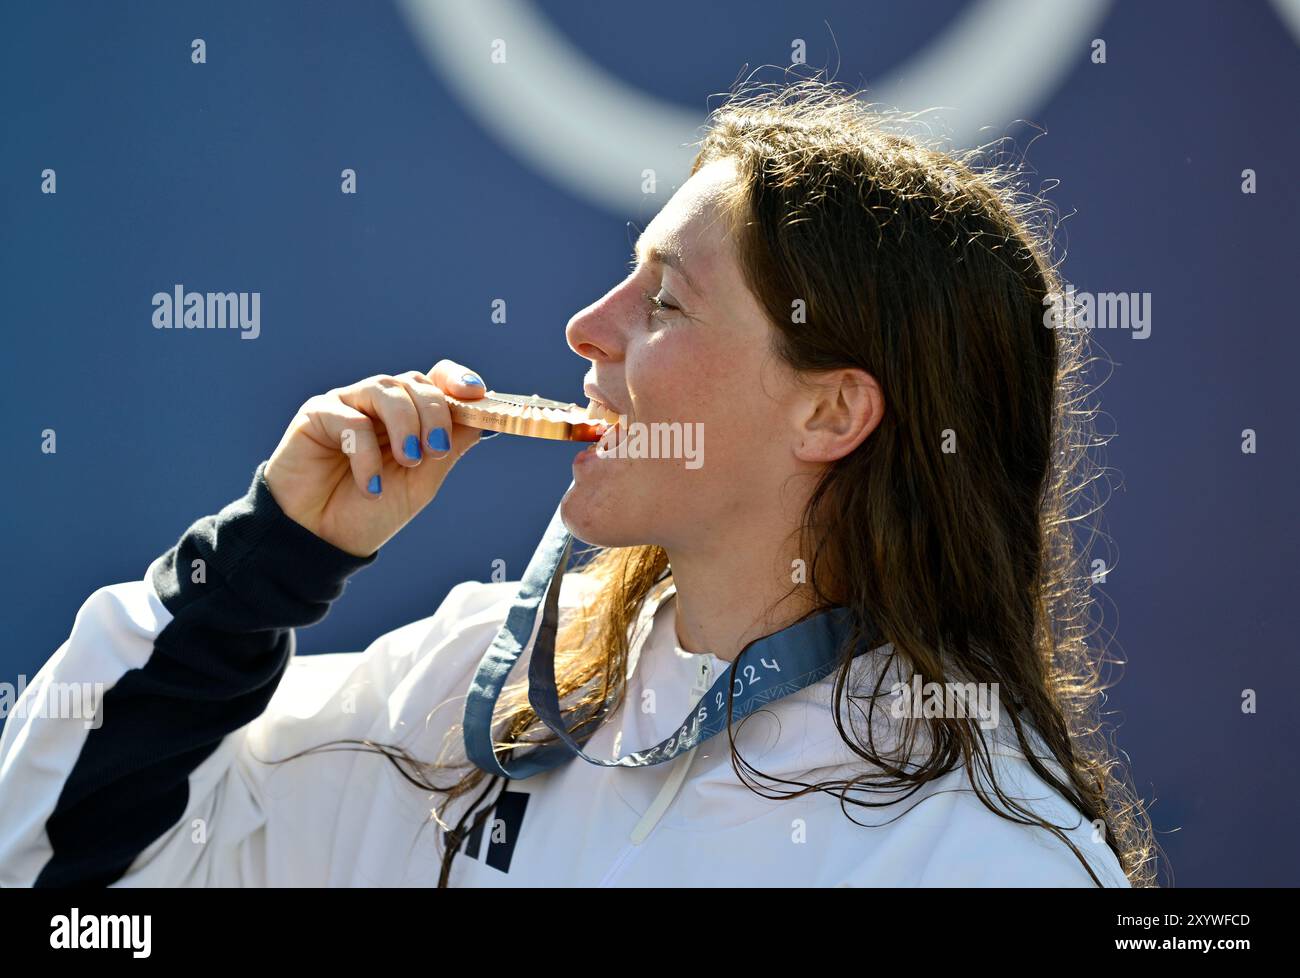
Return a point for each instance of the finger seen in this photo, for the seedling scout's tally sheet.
(384, 399)
(353, 434)
(435, 417)
(457, 380)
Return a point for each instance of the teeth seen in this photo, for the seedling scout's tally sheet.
(598, 410)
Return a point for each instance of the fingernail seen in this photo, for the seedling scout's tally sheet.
(411, 447)
(373, 488)
(438, 440)
(472, 380)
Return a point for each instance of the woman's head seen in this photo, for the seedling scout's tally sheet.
(832, 304)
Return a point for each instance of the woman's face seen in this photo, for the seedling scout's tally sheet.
(701, 360)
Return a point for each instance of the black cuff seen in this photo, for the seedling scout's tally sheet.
(275, 572)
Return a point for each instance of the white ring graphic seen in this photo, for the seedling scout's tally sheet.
(1289, 11)
(594, 134)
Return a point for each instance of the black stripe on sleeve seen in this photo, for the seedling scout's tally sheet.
(212, 670)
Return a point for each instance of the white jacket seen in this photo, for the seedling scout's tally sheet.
(165, 787)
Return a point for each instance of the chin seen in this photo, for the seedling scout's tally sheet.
(600, 521)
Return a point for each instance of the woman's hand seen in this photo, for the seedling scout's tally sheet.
(357, 463)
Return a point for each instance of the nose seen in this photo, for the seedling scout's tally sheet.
(599, 332)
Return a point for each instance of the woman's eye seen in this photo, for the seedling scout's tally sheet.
(659, 302)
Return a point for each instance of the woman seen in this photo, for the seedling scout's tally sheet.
(857, 324)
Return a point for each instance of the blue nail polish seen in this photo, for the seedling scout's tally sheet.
(438, 440)
(472, 380)
(374, 486)
(412, 447)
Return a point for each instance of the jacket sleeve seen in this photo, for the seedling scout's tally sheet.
(122, 748)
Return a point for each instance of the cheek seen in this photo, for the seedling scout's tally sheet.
(673, 376)
(684, 378)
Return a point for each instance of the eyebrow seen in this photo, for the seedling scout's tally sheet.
(669, 257)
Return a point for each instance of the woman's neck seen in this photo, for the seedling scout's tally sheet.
(728, 596)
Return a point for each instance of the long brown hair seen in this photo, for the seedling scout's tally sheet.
(958, 531)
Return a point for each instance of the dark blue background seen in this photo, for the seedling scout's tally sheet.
(226, 177)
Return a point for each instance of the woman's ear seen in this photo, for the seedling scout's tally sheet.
(838, 410)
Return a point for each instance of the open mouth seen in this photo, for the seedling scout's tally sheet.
(599, 411)
(605, 428)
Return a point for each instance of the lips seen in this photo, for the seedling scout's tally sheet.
(599, 400)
